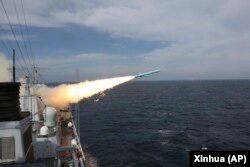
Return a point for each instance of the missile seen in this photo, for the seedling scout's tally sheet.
(146, 73)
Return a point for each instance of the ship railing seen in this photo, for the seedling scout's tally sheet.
(82, 160)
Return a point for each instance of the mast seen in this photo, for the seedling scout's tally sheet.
(14, 69)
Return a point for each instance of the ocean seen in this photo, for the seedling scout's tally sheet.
(157, 123)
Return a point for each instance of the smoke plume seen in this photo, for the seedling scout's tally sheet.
(5, 75)
(62, 95)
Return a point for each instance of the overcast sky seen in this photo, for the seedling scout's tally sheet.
(194, 39)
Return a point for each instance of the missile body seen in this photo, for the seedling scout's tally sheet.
(147, 73)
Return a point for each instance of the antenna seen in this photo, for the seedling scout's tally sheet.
(14, 69)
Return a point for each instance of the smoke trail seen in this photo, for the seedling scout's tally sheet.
(62, 95)
(5, 75)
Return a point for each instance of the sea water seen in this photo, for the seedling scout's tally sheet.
(157, 123)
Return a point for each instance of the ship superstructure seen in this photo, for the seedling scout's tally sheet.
(33, 134)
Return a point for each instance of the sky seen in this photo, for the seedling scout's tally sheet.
(90, 39)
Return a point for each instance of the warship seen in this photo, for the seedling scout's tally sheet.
(34, 134)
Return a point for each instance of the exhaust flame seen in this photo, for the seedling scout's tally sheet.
(62, 95)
